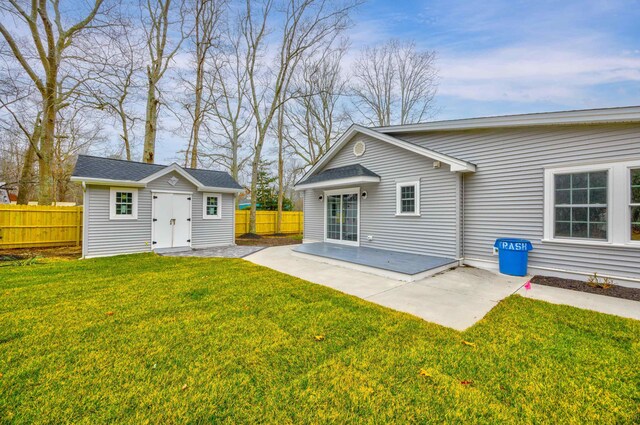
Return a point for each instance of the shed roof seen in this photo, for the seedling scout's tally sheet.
(94, 169)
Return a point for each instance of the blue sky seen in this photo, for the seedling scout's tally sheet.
(503, 57)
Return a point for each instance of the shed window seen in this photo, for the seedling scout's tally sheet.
(408, 198)
(123, 203)
(635, 204)
(581, 205)
(211, 206)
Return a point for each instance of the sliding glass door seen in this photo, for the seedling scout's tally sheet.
(342, 216)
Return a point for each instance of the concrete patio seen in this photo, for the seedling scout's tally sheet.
(457, 298)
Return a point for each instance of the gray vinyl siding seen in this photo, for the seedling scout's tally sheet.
(505, 197)
(433, 232)
(205, 233)
(313, 216)
(111, 237)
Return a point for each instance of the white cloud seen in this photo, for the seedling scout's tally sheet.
(530, 73)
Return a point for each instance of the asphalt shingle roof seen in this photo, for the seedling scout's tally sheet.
(117, 169)
(355, 170)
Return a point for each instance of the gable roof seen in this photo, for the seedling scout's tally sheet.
(340, 174)
(97, 170)
(455, 163)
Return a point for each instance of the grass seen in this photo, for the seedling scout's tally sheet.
(146, 339)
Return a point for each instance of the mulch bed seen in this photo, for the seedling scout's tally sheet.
(577, 285)
(68, 252)
(250, 239)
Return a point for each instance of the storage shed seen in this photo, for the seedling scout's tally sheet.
(132, 207)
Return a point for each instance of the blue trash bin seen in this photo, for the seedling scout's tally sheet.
(513, 255)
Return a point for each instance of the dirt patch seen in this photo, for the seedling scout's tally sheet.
(268, 240)
(250, 236)
(66, 252)
(578, 285)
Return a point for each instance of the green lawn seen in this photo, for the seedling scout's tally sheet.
(141, 338)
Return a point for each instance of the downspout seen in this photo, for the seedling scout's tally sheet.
(85, 208)
(462, 217)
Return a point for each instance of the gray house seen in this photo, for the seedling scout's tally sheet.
(567, 181)
(137, 207)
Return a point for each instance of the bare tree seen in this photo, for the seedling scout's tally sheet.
(308, 25)
(206, 35)
(230, 112)
(317, 116)
(121, 65)
(21, 123)
(51, 36)
(394, 83)
(164, 23)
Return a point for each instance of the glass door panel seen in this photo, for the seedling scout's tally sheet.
(342, 217)
(350, 217)
(333, 217)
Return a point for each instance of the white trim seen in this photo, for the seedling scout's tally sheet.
(218, 216)
(416, 185)
(454, 163)
(173, 167)
(339, 182)
(618, 207)
(586, 116)
(107, 182)
(219, 189)
(112, 203)
(179, 192)
(350, 190)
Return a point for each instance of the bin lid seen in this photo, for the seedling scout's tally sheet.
(511, 244)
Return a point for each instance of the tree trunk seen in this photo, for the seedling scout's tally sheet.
(280, 170)
(45, 159)
(254, 192)
(26, 175)
(151, 121)
(125, 131)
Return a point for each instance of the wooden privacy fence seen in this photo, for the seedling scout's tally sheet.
(292, 222)
(29, 226)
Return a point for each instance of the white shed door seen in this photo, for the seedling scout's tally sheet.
(172, 216)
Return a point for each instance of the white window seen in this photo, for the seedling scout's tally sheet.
(634, 210)
(211, 206)
(408, 198)
(123, 203)
(593, 204)
(580, 205)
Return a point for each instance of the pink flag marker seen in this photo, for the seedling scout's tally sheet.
(527, 285)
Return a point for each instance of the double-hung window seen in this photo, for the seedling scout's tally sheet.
(595, 204)
(580, 207)
(634, 212)
(211, 206)
(123, 203)
(408, 198)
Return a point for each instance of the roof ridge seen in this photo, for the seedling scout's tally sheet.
(563, 111)
(122, 160)
(146, 163)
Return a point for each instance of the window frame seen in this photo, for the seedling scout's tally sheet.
(112, 203)
(206, 216)
(618, 202)
(630, 204)
(399, 186)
